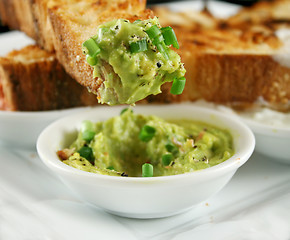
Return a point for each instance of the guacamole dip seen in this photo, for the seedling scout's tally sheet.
(135, 145)
(133, 60)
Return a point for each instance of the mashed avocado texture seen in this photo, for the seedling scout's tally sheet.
(131, 64)
(118, 147)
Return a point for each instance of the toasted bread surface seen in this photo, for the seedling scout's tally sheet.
(232, 61)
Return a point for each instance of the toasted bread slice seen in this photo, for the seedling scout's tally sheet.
(63, 25)
(238, 61)
(71, 30)
(31, 79)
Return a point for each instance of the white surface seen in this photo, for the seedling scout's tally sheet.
(35, 205)
(145, 197)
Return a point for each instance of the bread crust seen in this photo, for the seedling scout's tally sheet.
(7, 9)
(19, 15)
(33, 80)
(68, 40)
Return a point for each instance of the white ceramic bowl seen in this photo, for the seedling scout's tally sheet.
(21, 129)
(271, 141)
(145, 197)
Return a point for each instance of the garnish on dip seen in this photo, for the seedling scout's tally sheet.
(133, 60)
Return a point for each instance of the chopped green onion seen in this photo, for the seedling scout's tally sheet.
(91, 60)
(87, 130)
(153, 32)
(88, 135)
(87, 153)
(87, 125)
(124, 110)
(139, 46)
(91, 48)
(170, 147)
(136, 21)
(162, 48)
(147, 170)
(166, 159)
(147, 133)
(110, 168)
(178, 85)
(169, 37)
(158, 40)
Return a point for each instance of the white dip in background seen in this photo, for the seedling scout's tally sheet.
(268, 117)
(264, 116)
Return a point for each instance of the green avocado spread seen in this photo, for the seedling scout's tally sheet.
(121, 145)
(132, 60)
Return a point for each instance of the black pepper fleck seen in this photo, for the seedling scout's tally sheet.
(172, 163)
(159, 65)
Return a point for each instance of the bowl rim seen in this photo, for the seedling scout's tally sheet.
(237, 160)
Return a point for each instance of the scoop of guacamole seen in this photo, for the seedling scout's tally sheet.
(121, 145)
(132, 59)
